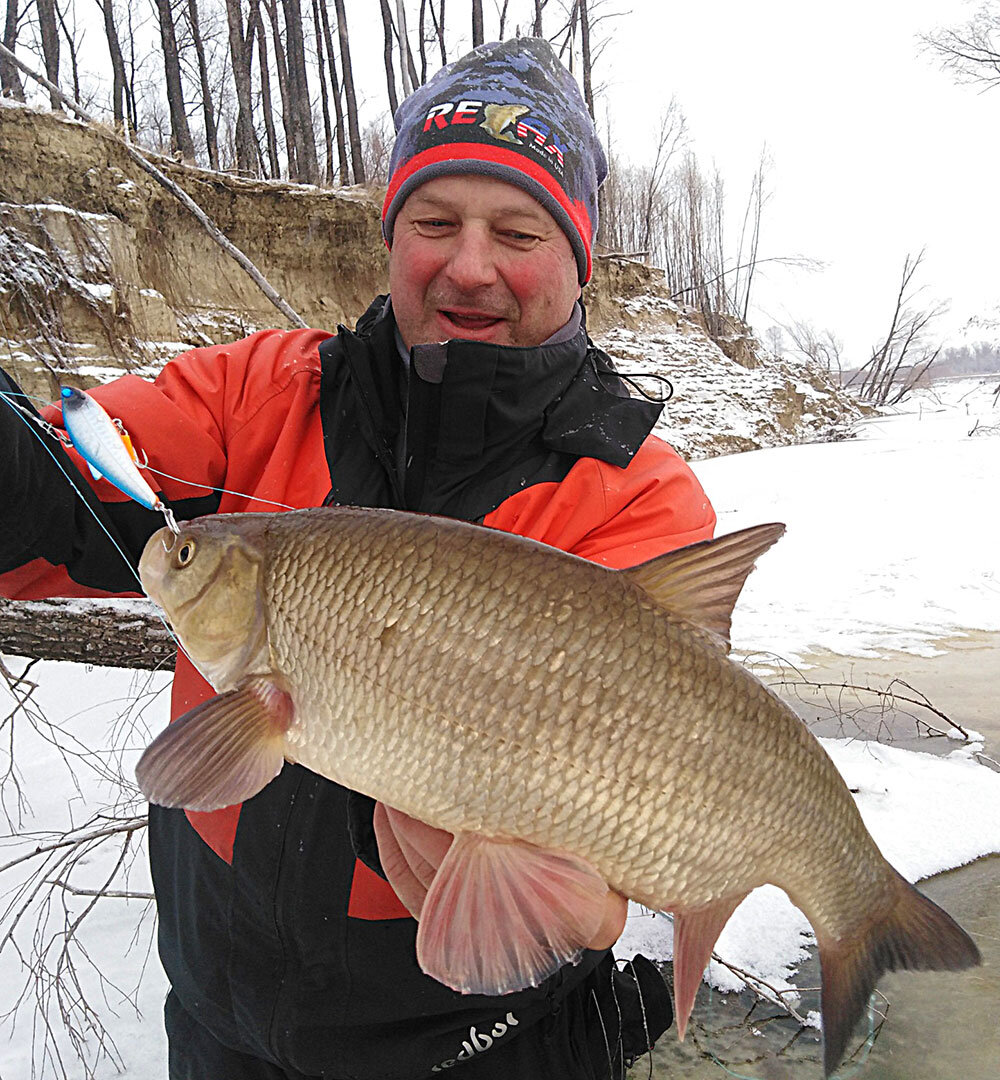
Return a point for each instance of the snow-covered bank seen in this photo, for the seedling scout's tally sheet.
(892, 537)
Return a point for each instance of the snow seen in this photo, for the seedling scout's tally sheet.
(891, 546)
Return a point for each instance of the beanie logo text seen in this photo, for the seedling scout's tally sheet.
(496, 120)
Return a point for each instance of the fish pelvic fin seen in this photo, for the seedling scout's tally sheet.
(502, 915)
(915, 935)
(220, 752)
(702, 582)
(695, 935)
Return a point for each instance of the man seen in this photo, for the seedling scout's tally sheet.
(473, 392)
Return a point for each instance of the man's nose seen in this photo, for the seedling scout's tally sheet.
(472, 264)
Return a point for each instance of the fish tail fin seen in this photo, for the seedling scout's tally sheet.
(914, 935)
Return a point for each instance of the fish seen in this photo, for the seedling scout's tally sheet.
(498, 117)
(576, 728)
(107, 450)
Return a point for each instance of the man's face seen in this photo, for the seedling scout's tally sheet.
(479, 259)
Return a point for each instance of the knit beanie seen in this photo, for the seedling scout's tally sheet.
(511, 111)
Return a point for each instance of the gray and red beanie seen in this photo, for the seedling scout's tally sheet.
(511, 111)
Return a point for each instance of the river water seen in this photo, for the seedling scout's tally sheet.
(938, 1026)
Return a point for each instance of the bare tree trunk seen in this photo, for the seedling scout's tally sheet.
(287, 122)
(335, 93)
(70, 36)
(211, 134)
(422, 37)
(536, 30)
(10, 79)
(357, 159)
(118, 86)
(477, 23)
(265, 90)
(328, 135)
(408, 71)
(246, 156)
(588, 93)
(503, 20)
(438, 21)
(180, 133)
(298, 85)
(390, 75)
(101, 634)
(49, 33)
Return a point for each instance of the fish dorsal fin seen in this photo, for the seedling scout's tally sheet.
(701, 582)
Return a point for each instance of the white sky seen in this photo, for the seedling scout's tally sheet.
(876, 151)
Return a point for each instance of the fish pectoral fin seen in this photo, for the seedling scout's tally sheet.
(701, 582)
(501, 915)
(222, 751)
(695, 935)
(94, 471)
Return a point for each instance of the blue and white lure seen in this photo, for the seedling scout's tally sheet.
(108, 451)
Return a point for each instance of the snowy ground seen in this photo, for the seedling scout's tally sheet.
(890, 547)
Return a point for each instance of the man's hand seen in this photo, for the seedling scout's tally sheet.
(411, 852)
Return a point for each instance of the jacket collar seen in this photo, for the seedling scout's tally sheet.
(468, 412)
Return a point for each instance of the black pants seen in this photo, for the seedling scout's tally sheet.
(599, 1029)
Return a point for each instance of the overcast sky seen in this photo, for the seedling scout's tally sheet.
(876, 152)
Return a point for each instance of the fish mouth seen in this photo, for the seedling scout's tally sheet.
(154, 561)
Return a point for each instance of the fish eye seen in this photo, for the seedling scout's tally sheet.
(185, 553)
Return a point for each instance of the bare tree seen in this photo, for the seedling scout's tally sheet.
(49, 33)
(971, 51)
(287, 120)
(536, 28)
(338, 107)
(390, 74)
(255, 20)
(822, 347)
(407, 71)
(180, 133)
(588, 92)
(323, 95)
(437, 18)
(357, 157)
(307, 166)
(903, 356)
(477, 23)
(119, 87)
(751, 222)
(10, 79)
(207, 106)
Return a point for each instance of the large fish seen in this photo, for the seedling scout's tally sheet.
(575, 727)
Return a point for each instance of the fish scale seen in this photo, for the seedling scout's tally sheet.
(450, 687)
(502, 690)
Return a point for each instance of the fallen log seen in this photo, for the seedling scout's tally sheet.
(106, 633)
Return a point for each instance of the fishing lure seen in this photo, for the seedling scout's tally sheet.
(108, 451)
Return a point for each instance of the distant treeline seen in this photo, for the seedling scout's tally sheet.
(978, 359)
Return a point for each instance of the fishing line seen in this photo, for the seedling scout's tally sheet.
(849, 1075)
(224, 491)
(20, 413)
